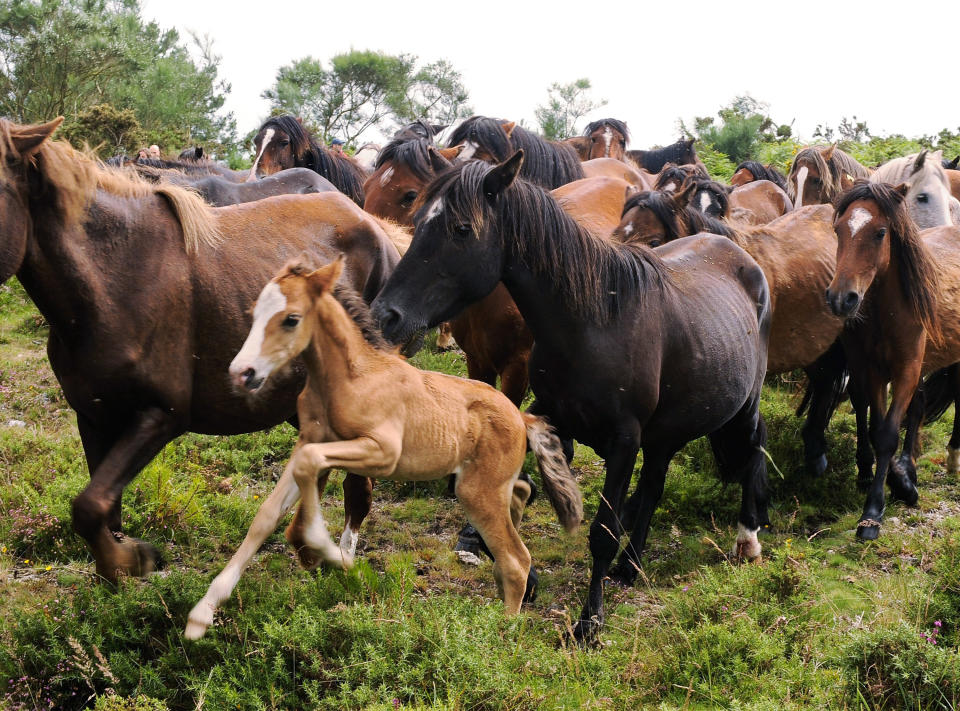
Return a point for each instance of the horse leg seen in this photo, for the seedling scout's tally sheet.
(825, 386)
(283, 496)
(445, 340)
(860, 401)
(953, 447)
(357, 499)
(514, 379)
(96, 444)
(605, 534)
(98, 503)
(742, 443)
(885, 434)
(902, 475)
(639, 510)
(490, 511)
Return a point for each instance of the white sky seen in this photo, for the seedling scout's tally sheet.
(812, 61)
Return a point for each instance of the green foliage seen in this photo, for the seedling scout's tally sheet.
(566, 105)
(62, 57)
(744, 126)
(365, 89)
(106, 129)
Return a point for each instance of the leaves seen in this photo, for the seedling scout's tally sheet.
(566, 105)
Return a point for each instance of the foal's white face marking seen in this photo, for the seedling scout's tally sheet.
(270, 302)
(704, 201)
(670, 187)
(263, 146)
(387, 174)
(858, 218)
(436, 207)
(469, 148)
(801, 179)
(607, 137)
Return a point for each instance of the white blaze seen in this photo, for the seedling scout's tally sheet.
(801, 179)
(607, 137)
(858, 218)
(263, 146)
(270, 302)
(436, 207)
(469, 148)
(704, 201)
(387, 174)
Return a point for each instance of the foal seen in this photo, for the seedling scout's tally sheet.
(369, 411)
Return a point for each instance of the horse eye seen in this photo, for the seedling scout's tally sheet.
(881, 233)
(291, 321)
(923, 197)
(655, 243)
(408, 198)
(463, 229)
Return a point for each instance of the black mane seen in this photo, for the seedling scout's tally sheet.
(688, 222)
(413, 153)
(615, 124)
(764, 172)
(681, 153)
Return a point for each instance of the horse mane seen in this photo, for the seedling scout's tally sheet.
(717, 188)
(73, 177)
(917, 272)
(831, 172)
(615, 124)
(340, 170)
(681, 153)
(764, 172)
(899, 170)
(670, 171)
(547, 163)
(412, 153)
(593, 275)
(687, 222)
(417, 129)
(398, 234)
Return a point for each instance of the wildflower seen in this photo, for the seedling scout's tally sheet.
(937, 623)
(256, 496)
(685, 588)
(49, 567)
(3, 550)
(27, 561)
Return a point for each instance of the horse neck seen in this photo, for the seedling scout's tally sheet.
(337, 350)
(82, 274)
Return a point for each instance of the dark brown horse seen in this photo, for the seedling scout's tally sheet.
(282, 142)
(796, 253)
(750, 170)
(896, 288)
(819, 174)
(196, 168)
(672, 176)
(147, 290)
(632, 349)
(653, 159)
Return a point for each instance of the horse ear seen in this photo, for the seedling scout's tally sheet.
(681, 197)
(322, 280)
(630, 191)
(508, 127)
(450, 153)
(438, 127)
(902, 189)
(502, 176)
(827, 153)
(438, 158)
(198, 152)
(918, 163)
(952, 165)
(690, 142)
(27, 139)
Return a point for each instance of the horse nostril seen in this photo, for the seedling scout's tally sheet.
(851, 300)
(247, 376)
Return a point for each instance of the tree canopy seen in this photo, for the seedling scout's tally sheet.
(566, 105)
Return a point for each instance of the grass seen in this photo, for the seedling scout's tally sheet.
(822, 622)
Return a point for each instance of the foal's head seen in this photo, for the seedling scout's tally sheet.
(282, 322)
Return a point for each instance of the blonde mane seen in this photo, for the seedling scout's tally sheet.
(74, 177)
(398, 235)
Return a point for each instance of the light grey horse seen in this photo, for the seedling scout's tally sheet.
(928, 201)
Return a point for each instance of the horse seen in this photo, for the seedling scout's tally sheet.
(796, 253)
(929, 200)
(672, 176)
(950, 164)
(145, 289)
(193, 153)
(611, 168)
(219, 192)
(188, 166)
(758, 202)
(282, 142)
(710, 197)
(819, 174)
(419, 129)
(632, 349)
(368, 410)
(549, 164)
(681, 152)
(751, 170)
(607, 138)
(581, 144)
(895, 287)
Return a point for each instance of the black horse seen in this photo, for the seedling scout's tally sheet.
(633, 349)
(682, 152)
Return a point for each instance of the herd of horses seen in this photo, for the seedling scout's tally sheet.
(642, 302)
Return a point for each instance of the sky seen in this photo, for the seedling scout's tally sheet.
(811, 62)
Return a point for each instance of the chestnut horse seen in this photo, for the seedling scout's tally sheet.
(758, 202)
(282, 142)
(750, 170)
(607, 138)
(819, 174)
(369, 411)
(672, 176)
(796, 253)
(896, 288)
(146, 290)
(632, 349)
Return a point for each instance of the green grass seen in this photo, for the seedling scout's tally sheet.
(821, 622)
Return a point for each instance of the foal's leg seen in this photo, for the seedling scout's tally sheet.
(364, 454)
(605, 534)
(96, 507)
(639, 510)
(357, 499)
(283, 496)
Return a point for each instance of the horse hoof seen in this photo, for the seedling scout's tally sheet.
(587, 632)
(624, 573)
(533, 581)
(469, 542)
(199, 621)
(817, 466)
(868, 530)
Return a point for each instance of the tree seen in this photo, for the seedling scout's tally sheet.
(744, 125)
(566, 105)
(104, 127)
(63, 57)
(365, 89)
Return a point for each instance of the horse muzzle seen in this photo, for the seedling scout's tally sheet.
(844, 303)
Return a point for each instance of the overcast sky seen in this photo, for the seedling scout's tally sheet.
(891, 64)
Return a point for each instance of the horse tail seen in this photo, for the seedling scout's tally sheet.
(939, 393)
(558, 481)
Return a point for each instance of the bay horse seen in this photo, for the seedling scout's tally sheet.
(368, 410)
(758, 202)
(607, 138)
(549, 163)
(750, 170)
(797, 253)
(820, 174)
(896, 288)
(146, 290)
(282, 142)
(653, 159)
(632, 349)
(672, 176)
(928, 200)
